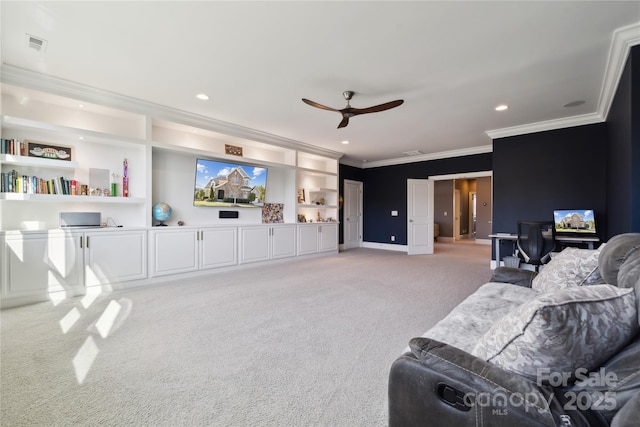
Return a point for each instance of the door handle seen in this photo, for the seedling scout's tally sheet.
(410, 220)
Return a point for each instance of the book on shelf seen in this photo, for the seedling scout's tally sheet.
(13, 182)
(13, 147)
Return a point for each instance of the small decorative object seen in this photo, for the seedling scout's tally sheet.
(302, 218)
(49, 151)
(272, 213)
(125, 178)
(300, 195)
(340, 202)
(322, 200)
(319, 219)
(180, 223)
(84, 190)
(114, 185)
(98, 181)
(106, 192)
(161, 213)
(233, 150)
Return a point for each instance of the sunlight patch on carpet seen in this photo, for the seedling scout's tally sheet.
(84, 359)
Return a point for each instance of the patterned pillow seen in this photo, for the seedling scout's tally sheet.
(567, 269)
(578, 327)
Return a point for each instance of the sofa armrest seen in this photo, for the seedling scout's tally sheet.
(628, 414)
(450, 387)
(515, 276)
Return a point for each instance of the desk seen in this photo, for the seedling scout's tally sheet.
(499, 237)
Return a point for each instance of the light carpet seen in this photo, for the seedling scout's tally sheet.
(308, 342)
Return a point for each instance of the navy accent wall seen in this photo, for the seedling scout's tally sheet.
(623, 176)
(353, 174)
(385, 189)
(561, 169)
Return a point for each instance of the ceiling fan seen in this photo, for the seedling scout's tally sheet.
(349, 111)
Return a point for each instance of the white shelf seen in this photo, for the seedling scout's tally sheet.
(9, 122)
(316, 172)
(304, 205)
(37, 161)
(69, 198)
(321, 190)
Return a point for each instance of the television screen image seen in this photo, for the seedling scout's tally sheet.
(573, 221)
(224, 184)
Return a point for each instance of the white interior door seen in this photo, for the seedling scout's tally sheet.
(456, 214)
(352, 214)
(419, 216)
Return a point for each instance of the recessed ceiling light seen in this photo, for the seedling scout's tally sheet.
(502, 107)
(573, 104)
(345, 142)
(81, 105)
(202, 96)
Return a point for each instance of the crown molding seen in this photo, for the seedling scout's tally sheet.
(565, 122)
(54, 85)
(424, 157)
(623, 39)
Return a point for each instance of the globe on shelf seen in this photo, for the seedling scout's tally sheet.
(161, 213)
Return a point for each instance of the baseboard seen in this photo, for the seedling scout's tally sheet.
(385, 246)
(444, 239)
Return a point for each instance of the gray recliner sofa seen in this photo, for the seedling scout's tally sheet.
(555, 348)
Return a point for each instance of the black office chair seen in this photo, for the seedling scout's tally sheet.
(536, 241)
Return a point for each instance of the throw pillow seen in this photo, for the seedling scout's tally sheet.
(561, 331)
(567, 269)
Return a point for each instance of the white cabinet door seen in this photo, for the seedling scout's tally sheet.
(283, 241)
(173, 251)
(40, 264)
(112, 257)
(307, 239)
(328, 236)
(254, 244)
(218, 247)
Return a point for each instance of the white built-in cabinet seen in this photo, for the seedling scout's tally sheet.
(38, 264)
(181, 250)
(262, 243)
(114, 256)
(313, 238)
(160, 146)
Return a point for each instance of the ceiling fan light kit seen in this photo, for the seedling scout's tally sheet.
(349, 111)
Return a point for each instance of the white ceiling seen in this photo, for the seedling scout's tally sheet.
(452, 62)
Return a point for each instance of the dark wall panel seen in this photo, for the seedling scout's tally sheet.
(623, 172)
(385, 189)
(561, 169)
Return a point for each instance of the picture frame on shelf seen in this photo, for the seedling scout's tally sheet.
(301, 198)
(45, 150)
(233, 150)
(272, 213)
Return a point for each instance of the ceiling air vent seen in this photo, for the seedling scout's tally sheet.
(412, 153)
(36, 43)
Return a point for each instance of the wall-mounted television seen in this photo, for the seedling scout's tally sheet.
(574, 221)
(225, 184)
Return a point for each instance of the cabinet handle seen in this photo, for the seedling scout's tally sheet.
(201, 235)
(87, 242)
(81, 245)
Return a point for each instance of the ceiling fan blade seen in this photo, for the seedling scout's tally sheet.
(344, 122)
(315, 104)
(376, 108)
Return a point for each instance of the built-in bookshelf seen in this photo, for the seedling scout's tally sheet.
(160, 152)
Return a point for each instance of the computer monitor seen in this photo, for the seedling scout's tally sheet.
(574, 221)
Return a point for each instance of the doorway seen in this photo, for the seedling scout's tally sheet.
(473, 219)
(469, 221)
